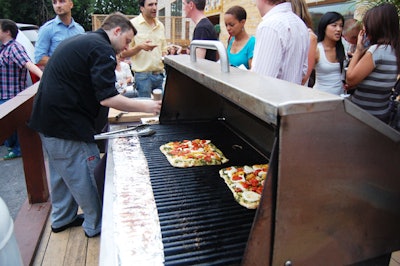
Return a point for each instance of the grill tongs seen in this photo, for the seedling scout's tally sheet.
(142, 130)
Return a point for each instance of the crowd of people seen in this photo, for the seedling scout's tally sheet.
(84, 73)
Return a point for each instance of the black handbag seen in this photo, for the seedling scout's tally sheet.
(394, 120)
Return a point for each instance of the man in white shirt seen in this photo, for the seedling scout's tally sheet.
(282, 42)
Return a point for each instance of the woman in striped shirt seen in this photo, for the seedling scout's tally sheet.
(373, 71)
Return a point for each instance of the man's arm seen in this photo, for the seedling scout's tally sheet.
(44, 60)
(34, 69)
(42, 47)
(201, 53)
(123, 103)
(146, 46)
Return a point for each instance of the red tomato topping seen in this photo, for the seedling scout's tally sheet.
(254, 182)
(236, 177)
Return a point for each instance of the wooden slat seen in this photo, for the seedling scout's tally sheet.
(41, 251)
(115, 117)
(56, 249)
(34, 169)
(93, 251)
(395, 260)
(74, 239)
(14, 115)
(76, 248)
(28, 227)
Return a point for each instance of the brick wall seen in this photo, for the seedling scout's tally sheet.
(253, 17)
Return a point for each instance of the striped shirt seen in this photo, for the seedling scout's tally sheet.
(13, 59)
(282, 43)
(373, 93)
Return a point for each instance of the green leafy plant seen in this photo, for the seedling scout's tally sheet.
(364, 5)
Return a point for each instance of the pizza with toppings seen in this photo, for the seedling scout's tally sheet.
(246, 183)
(188, 153)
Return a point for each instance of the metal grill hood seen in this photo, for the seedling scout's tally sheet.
(334, 165)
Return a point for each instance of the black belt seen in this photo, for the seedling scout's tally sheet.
(152, 72)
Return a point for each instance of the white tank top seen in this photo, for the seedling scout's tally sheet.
(328, 76)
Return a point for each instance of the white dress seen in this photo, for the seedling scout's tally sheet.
(124, 73)
(328, 76)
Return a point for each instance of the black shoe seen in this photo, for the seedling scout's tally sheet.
(92, 235)
(77, 222)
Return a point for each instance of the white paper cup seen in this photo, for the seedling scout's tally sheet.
(157, 94)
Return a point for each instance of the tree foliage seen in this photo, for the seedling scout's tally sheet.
(19, 10)
(127, 7)
(367, 4)
(39, 11)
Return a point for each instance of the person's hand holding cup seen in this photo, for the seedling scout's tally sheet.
(157, 95)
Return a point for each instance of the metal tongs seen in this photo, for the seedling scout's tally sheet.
(142, 130)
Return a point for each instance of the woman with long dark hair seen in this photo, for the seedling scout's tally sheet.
(374, 71)
(330, 54)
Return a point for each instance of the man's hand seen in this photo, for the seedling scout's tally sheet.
(148, 46)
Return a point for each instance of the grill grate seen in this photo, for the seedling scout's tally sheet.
(201, 223)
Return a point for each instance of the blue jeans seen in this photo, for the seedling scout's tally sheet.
(72, 182)
(146, 82)
(12, 142)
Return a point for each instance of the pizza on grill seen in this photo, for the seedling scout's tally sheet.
(246, 183)
(188, 153)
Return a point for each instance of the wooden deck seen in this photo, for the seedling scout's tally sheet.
(70, 247)
(395, 260)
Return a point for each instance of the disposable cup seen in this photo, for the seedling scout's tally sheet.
(157, 94)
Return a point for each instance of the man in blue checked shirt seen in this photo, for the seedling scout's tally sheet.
(14, 62)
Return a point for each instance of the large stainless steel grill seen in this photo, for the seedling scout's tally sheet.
(332, 195)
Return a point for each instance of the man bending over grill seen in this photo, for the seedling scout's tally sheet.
(77, 82)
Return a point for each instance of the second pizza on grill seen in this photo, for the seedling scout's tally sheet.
(189, 153)
(246, 183)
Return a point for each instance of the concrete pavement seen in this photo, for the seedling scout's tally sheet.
(12, 183)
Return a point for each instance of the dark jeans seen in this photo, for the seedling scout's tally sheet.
(146, 82)
(12, 142)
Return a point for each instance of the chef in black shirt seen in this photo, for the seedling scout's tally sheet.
(78, 81)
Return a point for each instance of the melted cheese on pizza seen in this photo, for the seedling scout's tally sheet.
(188, 153)
(246, 183)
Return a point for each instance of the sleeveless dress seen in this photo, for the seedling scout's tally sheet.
(328, 76)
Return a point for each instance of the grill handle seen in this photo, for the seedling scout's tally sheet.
(214, 45)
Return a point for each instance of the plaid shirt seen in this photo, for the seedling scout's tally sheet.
(13, 58)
